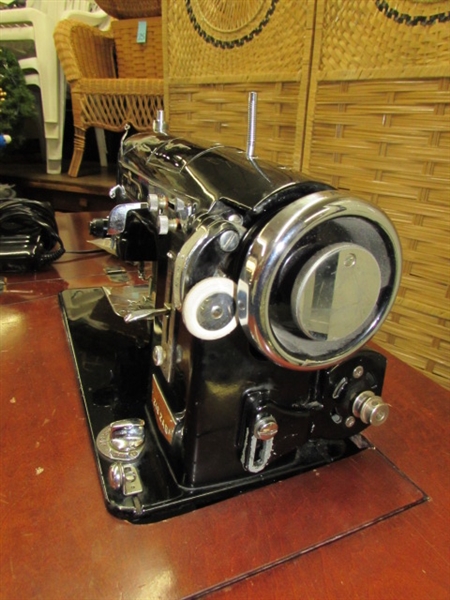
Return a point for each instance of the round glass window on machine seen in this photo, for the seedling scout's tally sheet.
(318, 280)
(335, 292)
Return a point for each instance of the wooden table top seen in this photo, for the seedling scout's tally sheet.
(375, 526)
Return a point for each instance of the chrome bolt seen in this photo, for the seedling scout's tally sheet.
(350, 260)
(358, 372)
(229, 241)
(236, 218)
(266, 428)
(159, 355)
(216, 311)
(350, 421)
(178, 353)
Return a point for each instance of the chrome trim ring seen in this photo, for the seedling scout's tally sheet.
(274, 246)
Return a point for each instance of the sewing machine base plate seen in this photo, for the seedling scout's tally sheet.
(113, 362)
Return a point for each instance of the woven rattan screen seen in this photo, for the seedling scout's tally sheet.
(378, 123)
(220, 50)
(138, 61)
(353, 92)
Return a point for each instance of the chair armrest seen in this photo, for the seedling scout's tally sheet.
(24, 24)
(84, 51)
(97, 18)
(22, 15)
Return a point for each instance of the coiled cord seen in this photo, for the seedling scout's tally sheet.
(22, 216)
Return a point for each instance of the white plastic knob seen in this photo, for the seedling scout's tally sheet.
(198, 296)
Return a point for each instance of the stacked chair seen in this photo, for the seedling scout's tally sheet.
(115, 76)
(35, 23)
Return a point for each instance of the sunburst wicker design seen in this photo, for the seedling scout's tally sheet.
(208, 83)
(229, 23)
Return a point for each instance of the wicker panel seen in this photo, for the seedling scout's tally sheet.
(213, 40)
(219, 112)
(375, 95)
(378, 124)
(376, 38)
(138, 60)
(220, 50)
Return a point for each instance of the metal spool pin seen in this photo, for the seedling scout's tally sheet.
(251, 135)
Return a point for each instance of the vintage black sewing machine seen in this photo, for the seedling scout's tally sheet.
(242, 360)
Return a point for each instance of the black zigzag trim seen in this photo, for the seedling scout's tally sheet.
(233, 43)
(405, 19)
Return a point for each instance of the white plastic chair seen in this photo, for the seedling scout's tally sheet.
(36, 22)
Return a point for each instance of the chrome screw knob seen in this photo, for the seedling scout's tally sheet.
(266, 428)
(371, 409)
(127, 435)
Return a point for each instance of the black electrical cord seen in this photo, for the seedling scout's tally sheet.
(21, 216)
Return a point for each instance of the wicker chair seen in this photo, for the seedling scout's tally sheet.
(114, 80)
(33, 26)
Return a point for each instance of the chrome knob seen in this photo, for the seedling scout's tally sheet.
(159, 355)
(153, 202)
(157, 202)
(127, 434)
(122, 440)
(164, 224)
(371, 409)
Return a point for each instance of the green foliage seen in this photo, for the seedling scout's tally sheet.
(18, 102)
